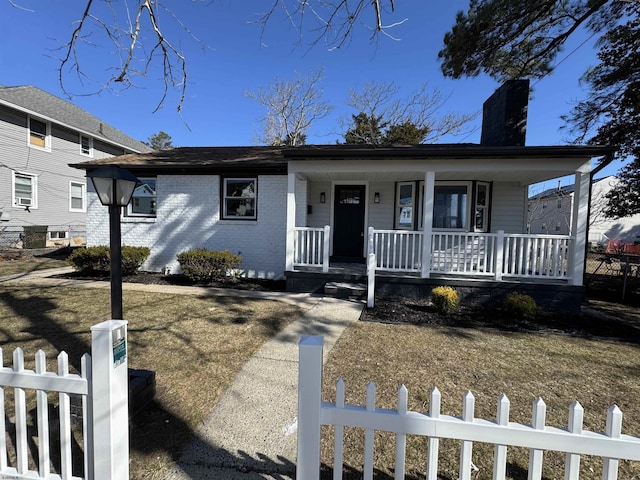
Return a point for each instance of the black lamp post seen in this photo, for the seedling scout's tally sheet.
(114, 187)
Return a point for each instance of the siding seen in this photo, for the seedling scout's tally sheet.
(188, 216)
(508, 207)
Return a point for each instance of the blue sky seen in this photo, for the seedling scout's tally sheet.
(232, 58)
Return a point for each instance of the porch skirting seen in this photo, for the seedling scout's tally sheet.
(557, 295)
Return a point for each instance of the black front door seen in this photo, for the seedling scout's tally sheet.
(348, 222)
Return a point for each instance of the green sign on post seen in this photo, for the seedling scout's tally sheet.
(119, 352)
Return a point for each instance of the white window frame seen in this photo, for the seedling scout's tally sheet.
(21, 202)
(47, 136)
(55, 234)
(132, 214)
(89, 153)
(486, 208)
(398, 207)
(469, 187)
(83, 186)
(224, 197)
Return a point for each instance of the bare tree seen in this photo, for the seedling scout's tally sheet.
(381, 102)
(292, 106)
(133, 33)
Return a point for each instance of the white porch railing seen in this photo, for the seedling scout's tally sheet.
(462, 253)
(573, 441)
(311, 247)
(102, 384)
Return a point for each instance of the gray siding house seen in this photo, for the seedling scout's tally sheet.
(417, 215)
(41, 197)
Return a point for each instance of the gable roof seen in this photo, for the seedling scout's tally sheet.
(563, 190)
(39, 103)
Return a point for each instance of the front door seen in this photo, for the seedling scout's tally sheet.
(348, 222)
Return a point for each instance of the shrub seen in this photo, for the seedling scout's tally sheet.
(201, 265)
(521, 305)
(97, 260)
(444, 299)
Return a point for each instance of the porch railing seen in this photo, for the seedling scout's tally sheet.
(311, 247)
(486, 254)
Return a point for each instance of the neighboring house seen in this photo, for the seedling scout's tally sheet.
(41, 197)
(551, 212)
(431, 214)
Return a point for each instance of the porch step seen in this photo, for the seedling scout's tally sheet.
(345, 289)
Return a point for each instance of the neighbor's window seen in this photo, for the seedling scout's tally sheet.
(239, 198)
(25, 188)
(86, 145)
(405, 203)
(143, 201)
(39, 133)
(77, 196)
(57, 235)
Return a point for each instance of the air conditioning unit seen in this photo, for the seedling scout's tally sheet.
(24, 202)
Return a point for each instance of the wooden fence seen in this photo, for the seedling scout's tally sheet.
(103, 386)
(612, 445)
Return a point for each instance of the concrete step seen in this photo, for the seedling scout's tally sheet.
(345, 289)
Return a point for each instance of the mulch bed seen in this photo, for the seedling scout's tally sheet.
(404, 311)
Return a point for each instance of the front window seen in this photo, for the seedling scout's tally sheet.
(143, 201)
(481, 218)
(38, 133)
(77, 195)
(450, 206)
(405, 202)
(239, 198)
(25, 190)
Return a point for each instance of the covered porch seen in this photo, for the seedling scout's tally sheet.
(432, 212)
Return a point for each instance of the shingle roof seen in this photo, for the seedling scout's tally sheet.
(41, 103)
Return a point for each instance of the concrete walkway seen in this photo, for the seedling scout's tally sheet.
(251, 432)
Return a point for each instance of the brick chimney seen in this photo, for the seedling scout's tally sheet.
(504, 115)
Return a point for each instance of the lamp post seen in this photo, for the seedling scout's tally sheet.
(114, 187)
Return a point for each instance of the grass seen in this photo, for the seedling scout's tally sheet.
(15, 264)
(558, 368)
(195, 345)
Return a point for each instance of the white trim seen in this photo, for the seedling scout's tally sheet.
(34, 190)
(47, 136)
(66, 125)
(84, 196)
(366, 209)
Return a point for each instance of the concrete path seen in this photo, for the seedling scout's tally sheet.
(251, 432)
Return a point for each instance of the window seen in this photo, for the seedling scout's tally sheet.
(25, 190)
(57, 235)
(39, 134)
(450, 206)
(143, 201)
(405, 201)
(239, 198)
(77, 195)
(481, 220)
(86, 145)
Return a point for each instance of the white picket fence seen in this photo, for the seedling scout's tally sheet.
(611, 445)
(103, 386)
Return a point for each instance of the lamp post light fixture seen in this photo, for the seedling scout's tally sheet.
(114, 187)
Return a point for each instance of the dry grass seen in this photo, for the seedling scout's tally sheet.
(195, 345)
(560, 369)
(23, 263)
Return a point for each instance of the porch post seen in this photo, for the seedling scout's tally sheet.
(291, 220)
(427, 222)
(579, 224)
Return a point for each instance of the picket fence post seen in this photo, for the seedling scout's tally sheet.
(499, 256)
(309, 403)
(325, 248)
(110, 398)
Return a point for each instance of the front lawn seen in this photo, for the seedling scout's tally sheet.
(20, 262)
(195, 345)
(559, 368)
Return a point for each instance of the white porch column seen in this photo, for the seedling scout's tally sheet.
(427, 222)
(291, 220)
(579, 224)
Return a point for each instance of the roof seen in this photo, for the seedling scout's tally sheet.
(189, 159)
(561, 191)
(37, 102)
